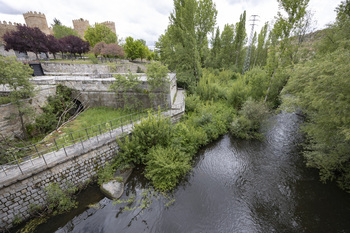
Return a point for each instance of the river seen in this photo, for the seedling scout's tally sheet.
(234, 186)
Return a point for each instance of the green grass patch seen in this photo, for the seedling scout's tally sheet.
(90, 123)
(4, 100)
(80, 61)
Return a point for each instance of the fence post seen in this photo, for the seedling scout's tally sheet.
(121, 121)
(17, 163)
(55, 143)
(71, 135)
(65, 150)
(82, 144)
(87, 134)
(44, 160)
(36, 150)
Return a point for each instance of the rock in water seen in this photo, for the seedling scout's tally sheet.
(113, 189)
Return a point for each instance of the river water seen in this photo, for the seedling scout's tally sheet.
(234, 186)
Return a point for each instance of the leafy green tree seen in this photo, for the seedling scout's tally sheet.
(17, 76)
(123, 85)
(157, 80)
(320, 88)
(247, 125)
(205, 19)
(261, 53)
(240, 40)
(282, 49)
(143, 50)
(184, 44)
(56, 22)
(227, 46)
(60, 31)
(214, 60)
(134, 48)
(99, 32)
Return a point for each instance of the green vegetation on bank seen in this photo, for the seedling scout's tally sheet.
(320, 88)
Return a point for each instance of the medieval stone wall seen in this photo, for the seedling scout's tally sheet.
(6, 27)
(110, 25)
(34, 19)
(80, 25)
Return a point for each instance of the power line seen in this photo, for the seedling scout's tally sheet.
(250, 42)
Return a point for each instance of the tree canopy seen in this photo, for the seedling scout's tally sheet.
(26, 39)
(60, 31)
(17, 76)
(100, 32)
(136, 48)
(321, 87)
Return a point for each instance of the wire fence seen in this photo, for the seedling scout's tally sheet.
(57, 148)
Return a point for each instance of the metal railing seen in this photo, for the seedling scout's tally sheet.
(44, 152)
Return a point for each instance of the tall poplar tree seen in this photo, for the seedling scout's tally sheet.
(227, 46)
(282, 48)
(240, 40)
(182, 45)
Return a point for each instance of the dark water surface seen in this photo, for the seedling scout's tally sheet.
(235, 186)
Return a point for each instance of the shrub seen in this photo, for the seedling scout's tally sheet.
(166, 166)
(188, 138)
(247, 125)
(60, 200)
(151, 131)
(193, 103)
(105, 174)
(93, 58)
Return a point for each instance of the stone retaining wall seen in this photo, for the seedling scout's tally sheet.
(92, 69)
(78, 165)
(17, 197)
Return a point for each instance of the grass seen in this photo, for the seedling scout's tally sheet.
(86, 61)
(4, 100)
(92, 122)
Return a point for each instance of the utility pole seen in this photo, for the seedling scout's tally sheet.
(250, 41)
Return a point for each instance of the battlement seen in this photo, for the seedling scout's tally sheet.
(4, 23)
(80, 25)
(34, 19)
(80, 21)
(108, 22)
(34, 14)
(7, 27)
(110, 25)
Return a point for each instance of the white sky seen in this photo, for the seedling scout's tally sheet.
(148, 19)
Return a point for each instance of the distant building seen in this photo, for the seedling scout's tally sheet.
(34, 19)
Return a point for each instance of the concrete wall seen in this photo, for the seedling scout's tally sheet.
(10, 124)
(96, 91)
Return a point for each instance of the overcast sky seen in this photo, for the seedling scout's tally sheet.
(148, 19)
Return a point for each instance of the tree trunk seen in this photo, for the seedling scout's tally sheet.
(24, 130)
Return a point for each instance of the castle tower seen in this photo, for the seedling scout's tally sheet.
(80, 25)
(37, 20)
(110, 25)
